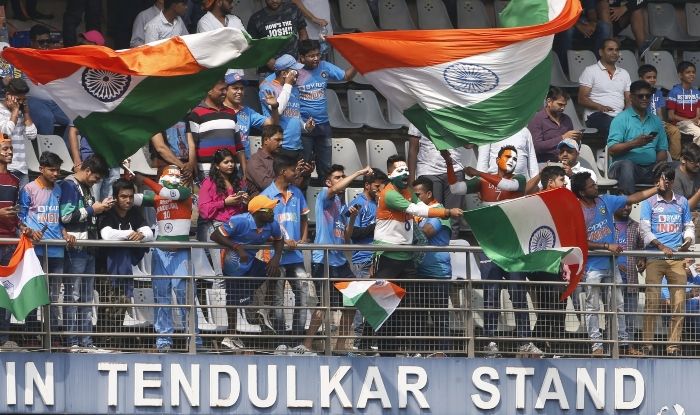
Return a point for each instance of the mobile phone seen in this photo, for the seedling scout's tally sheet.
(356, 206)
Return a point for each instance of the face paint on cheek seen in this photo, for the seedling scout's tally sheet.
(400, 170)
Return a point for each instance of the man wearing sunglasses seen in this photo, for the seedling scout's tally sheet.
(637, 141)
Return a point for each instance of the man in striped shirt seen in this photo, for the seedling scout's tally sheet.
(17, 124)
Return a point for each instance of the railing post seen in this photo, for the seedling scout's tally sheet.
(328, 348)
(191, 295)
(614, 328)
(468, 313)
(47, 308)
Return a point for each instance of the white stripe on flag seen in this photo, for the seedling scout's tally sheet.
(525, 225)
(356, 288)
(26, 270)
(428, 85)
(216, 47)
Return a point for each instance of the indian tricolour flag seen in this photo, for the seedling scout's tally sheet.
(534, 233)
(22, 282)
(375, 299)
(120, 99)
(465, 86)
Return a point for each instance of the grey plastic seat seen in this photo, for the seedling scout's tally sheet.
(692, 16)
(345, 153)
(628, 62)
(364, 108)
(587, 159)
(356, 14)
(30, 157)
(245, 8)
(311, 196)
(663, 23)
(432, 14)
(378, 151)
(395, 116)
(394, 15)
(558, 77)
(138, 163)
(335, 112)
(667, 76)
(56, 145)
(255, 143)
(578, 60)
(498, 6)
(693, 57)
(251, 98)
(341, 62)
(570, 110)
(471, 14)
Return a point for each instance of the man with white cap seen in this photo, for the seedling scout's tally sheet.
(568, 157)
(283, 86)
(246, 116)
(219, 14)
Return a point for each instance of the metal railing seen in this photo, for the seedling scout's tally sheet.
(456, 317)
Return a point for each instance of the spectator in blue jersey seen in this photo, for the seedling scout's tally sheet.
(291, 212)
(361, 230)
(667, 226)
(39, 215)
(331, 221)
(627, 235)
(312, 82)
(282, 84)
(79, 212)
(434, 265)
(175, 146)
(598, 213)
(657, 106)
(257, 227)
(248, 118)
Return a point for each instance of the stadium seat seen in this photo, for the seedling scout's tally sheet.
(471, 14)
(216, 313)
(692, 16)
(378, 151)
(138, 163)
(255, 143)
(394, 15)
(570, 110)
(245, 8)
(56, 145)
(628, 62)
(345, 153)
(356, 14)
(251, 98)
(663, 23)
(578, 60)
(340, 61)
(667, 76)
(31, 158)
(335, 112)
(395, 116)
(499, 5)
(587, 160)
(311, 195)
(558, 77)
(143, 305)
(432, 14)
(363, 107)
(351, 192)
(693, 57)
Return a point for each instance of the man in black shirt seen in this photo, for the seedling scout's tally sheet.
(278, 19)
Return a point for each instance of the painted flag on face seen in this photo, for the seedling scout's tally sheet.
(375, 299)
(120, 99)
(469, 85)
(518, 240)
(22, 282)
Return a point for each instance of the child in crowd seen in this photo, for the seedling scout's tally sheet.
(657, 106)
(683, 102)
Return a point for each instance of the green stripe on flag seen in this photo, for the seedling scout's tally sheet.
(33, 295)
(520, 13)
(159, 102)
(499, 240)
(490, 120)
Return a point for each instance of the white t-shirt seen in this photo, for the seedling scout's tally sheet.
(209, 22)
(138, 34)
(322, 10)
(160, 28)
(527, 159)
(430, 162)
(578, 168)
(606, 91)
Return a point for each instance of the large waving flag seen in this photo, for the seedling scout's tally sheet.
(534, 233)
(465, 86)
(120, 99)
(22, 282)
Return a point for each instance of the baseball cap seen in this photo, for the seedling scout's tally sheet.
(4, 45)
(261, 202)
(569, 142)
(287, 62)
(232, 76)
(94, 36)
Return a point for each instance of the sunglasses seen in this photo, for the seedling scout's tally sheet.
(643, 96)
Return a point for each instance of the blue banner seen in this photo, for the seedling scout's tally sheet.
(217, 384)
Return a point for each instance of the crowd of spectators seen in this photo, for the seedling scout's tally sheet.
(209, 174)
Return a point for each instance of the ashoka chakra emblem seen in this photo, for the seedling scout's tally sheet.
(542, 238)
(467, 77)
(104, 85)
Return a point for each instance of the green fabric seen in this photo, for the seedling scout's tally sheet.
(524, 13)
(34, 294)
(159, 102)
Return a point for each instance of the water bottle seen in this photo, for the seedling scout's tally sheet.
(323, 33)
